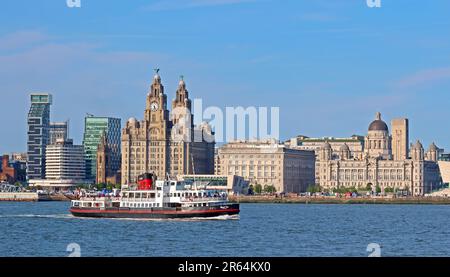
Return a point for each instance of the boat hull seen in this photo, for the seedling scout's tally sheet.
(155, 213)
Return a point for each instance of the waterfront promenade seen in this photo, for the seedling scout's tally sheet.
(340, 200)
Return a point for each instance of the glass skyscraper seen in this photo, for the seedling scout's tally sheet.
(94, 128)
(38, 135)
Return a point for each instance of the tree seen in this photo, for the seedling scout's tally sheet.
(251, 190)
(378, 189)
(269, 189)
(313, 189)
(389, 190)
(258, 188)
(369, 187)
(109, 187)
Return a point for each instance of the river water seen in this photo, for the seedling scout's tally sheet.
(292, 230)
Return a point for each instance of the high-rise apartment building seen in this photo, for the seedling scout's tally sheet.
(38, 134)
(94, 129)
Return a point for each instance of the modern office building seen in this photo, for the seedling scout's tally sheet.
(444, 167)
(38, 134)
(232, 184)
(58, 131)
(94, 128)
(268, 163)
(65, 161)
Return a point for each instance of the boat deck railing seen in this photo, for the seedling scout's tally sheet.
(100, 199)
(202, 199)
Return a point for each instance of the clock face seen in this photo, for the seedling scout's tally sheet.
(154, 106)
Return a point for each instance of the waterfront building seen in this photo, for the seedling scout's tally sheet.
(7, 172)
(217, 170)
(105, 173)
(166, 144)
(418, 174)
(232, 184)
(444, 167)
(65, 161)
(94, 129)
(38, 134)
(400, 138)
(18, 161)
(268, 163)
(58, 131)
(355, 143)
(19, 157)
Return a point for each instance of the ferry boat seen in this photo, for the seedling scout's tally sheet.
(157, 199)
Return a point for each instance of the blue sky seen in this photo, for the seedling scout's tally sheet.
(329, 65)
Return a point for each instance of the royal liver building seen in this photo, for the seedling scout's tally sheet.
(387, 162)
(166, 144)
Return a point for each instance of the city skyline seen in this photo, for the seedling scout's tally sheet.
(325, 85)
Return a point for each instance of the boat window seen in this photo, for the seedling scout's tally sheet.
(172, 183)
(131, 195)
(144, 195)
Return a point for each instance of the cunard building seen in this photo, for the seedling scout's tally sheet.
(387, 162)
(163, 143)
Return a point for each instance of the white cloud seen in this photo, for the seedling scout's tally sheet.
(21, 39)
(428, 76)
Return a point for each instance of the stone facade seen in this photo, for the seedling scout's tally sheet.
(166, 144)
(355, 143)
(105, 173)
(268, 163)
(418, 174)
(400, 137)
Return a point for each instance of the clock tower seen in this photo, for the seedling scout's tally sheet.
(162, 143)
(158, 126)
(156, 113)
